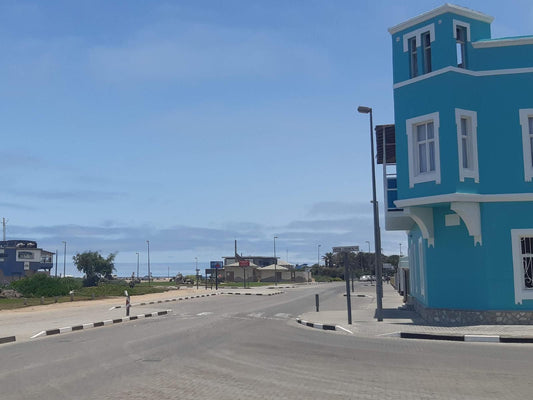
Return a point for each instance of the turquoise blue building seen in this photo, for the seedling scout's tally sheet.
(461, 184)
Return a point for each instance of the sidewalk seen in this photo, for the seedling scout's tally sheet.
(398, 322)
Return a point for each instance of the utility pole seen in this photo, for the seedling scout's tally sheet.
(65, 259)
(4, 222)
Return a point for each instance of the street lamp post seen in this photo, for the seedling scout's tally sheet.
(137, 265)
(275, 263)
(318, 256)
(368, 242)
(149, 274)
(400, 250)
(377, 234)
(197, 271)
(64, 259)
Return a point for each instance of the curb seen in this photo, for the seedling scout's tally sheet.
(7, 339)
(251, 294)
(98, 324)
(467, 338)
(166, 300)
(318, 326)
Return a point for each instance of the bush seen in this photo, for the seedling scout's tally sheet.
(43, 285)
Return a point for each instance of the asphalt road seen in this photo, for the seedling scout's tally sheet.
(250, 347)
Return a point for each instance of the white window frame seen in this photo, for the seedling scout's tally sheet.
(418, 33)
(414, 175)
(471, 117)
(457, 23)
(520, 291)
(426, 49)
(413, 58)
(417, 36)
(525, 114)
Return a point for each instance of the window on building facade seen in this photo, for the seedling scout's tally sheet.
(425, 146)
(467, 144)
(426, 43)
(413, 58)
(460, 45)
(526, 121)
(522, 244)
(423, 149)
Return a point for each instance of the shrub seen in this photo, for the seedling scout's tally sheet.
(43, 285)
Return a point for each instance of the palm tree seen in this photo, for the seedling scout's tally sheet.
(328, 259)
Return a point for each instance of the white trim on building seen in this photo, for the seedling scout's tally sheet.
(526, 121)
(467, 144)
(423, 152)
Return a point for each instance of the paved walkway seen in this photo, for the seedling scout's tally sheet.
(400, 322)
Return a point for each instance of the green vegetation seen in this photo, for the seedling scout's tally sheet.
(359, 263)
(56, 290)
(43, 285)
(94, 266)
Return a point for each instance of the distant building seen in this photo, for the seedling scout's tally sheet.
(21, 258)
(458, 166)
(261, 269)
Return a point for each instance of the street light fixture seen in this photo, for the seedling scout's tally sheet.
(377, 234)
(275, 263)
(149, 274)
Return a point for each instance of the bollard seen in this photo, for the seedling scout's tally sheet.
(71, 295)
(317, 302)
(25, 302)
(55, 299)
(42, 300)
(92, 296)
(128, 304)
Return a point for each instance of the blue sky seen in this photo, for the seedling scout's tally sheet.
(195, 123)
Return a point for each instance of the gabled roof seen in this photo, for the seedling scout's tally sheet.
(446, 8)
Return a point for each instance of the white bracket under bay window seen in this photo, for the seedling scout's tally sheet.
(467, 144)
(423, 149)
(423, 217)
(526, 121)
(522, 245)
(471, 216)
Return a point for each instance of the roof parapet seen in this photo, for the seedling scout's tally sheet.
(446, 8)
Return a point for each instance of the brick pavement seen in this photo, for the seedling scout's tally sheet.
(398, 320)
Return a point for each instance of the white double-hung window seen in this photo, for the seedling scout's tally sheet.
(467, 144)
(526, 121)
(423, 148)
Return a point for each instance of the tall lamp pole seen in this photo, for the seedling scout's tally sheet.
(275, 263)
(377, 234)
(149, 275)
(318, 256)
(137, 265)
(64, 259)
(197, 271)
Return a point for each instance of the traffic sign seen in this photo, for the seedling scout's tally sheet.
(343, 249)
(217, 264)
